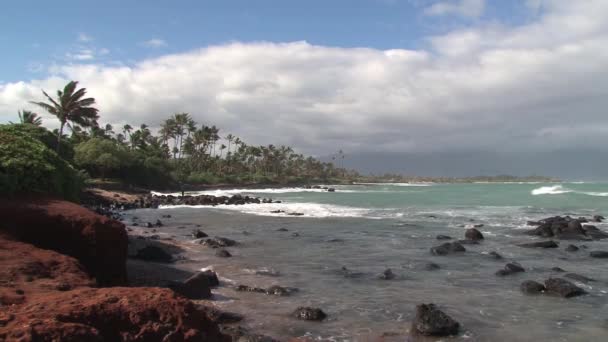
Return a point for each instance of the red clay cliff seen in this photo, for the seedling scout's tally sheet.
(53, 254)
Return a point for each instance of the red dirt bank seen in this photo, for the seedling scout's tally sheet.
(52, 253)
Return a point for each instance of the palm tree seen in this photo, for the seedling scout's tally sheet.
(70, 106)
(29, 117)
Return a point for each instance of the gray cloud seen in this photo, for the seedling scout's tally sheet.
(464, 8)
(530, 88)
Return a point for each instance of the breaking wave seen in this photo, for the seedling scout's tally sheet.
(558, 189)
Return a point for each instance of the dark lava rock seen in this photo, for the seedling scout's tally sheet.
(540, 244)
(557, 269)
(222, 253)
(387, 275)
(154, 253)
(247, 288)
(571, 248)
(240, 334)
(350, 274)
(277, 211)
(563, 288)
(599, 254)
(509, 269)
(218, 242)
(598, 218)
(295, 234)
(468, 242)
(567, 228)
(309, 314)
(198, 234)
(331, 190)
(220, 316)
(495, 255)
(578, 277)
(430, 321)
(158, 223)
(473, 234)
(431, 266)
(532, 287)
(448, 248)
(196, 287)
(166, 216)
(282, 230)
(443, 237)
(295, 214)
(280, 291)
(149, 225)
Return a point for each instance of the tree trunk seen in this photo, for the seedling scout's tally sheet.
(59, 136)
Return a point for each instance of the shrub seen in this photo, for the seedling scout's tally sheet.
(29, 166)
(66, 151)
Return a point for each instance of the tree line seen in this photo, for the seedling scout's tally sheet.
(180, 151)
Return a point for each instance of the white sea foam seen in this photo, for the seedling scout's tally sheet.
(317, 210)
(396, 184)
(558, 189)
(550, 190)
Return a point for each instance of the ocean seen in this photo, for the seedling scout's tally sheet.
(367, 228)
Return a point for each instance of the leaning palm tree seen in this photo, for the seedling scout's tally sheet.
(70, 106)
(29, 117)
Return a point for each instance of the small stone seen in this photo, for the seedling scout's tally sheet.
(495, 255)
(387, 275)
(509, 269)
(309, 314)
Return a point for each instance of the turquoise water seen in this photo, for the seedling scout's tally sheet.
(368, 228)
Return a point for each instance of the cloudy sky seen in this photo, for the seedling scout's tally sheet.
(415, 86)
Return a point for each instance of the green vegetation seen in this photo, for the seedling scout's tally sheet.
(29, 166)
(181, 152)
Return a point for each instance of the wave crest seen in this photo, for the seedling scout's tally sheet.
(550, 190)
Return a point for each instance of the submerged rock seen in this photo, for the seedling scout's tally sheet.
(431, 266)
(154, 253)
(274, 290)
(567, 228)
(532, 287)
(578, 277)
(218, 242)
(571, 248)
(473, 234)
(448, 248)
(495, 255)
(430, 321)
(387, 275)
(563, 288)
(599, 254)
(309, 314)
(540, 244)
(222, 253)
(198, 234)
(509, 269)
(196, 287)
(443, 237)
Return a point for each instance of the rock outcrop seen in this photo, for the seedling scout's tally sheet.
(99, 243)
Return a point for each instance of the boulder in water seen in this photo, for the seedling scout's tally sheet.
(430, 321)
(198, 234)
(196, 287)
(218, 242)
(448, 248)
(473, 234)
(387, 275)
(563, 288)
(571, 248)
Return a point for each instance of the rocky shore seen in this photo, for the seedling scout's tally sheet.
(70, 274)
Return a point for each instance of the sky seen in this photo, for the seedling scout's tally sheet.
(437, 87)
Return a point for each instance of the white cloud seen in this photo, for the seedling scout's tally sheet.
(535, 87)
(464, 8)
(84, 38)
(155, 43)
(81, 55)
